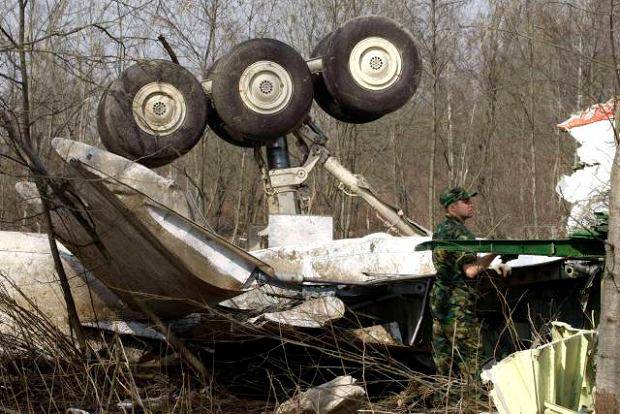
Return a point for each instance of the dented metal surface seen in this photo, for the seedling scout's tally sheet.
(587, 188)
(313, 313)
(29, 277)
(145, 246)
(349, 260)
(291, 230)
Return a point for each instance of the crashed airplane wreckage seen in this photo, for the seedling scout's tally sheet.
(151, 256)
(137, 250)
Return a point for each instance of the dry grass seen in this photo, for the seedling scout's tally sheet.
(254, 369)
(42, 370)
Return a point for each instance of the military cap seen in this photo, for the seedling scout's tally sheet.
(451, 195)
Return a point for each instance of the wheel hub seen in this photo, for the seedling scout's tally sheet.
(265, 87)
(159, 108)
(375, 63)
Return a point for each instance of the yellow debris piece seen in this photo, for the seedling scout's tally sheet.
(557, 377)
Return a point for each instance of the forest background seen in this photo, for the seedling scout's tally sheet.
(498, 75)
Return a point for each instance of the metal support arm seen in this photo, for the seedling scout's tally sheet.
(356, 184)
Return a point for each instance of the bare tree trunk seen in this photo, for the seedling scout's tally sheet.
(395, 163)
(25, 140)
(398, 171)
(522, 167)
(532, 118)
(237, 212)
(433, 152)
(218, 178)
(608, 356)
(74, 320)
(580, 74)
(450, 158)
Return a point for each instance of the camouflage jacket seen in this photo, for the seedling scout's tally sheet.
(449, 265)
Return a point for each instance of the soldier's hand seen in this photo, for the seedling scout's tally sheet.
(502, 269)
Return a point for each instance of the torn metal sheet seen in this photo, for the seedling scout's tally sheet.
(133, 328)
(143, 244)
(261, 299)
(587, 188)
(386, 334)
(29, 277)
(349, 260)
(557, 376)
(338, 396)
(313, 313)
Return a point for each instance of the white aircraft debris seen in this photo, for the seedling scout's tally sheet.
(338, 396)
(587, 188)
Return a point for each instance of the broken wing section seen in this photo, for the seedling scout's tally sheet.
(134, 230)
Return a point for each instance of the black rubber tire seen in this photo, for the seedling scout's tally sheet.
(239, 117)
(325, 100)
(351, 102)
(215, 123)
(221, 130)
(119, 130)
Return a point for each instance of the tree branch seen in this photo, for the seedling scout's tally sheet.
(166, 45)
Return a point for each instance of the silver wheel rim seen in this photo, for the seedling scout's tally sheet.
(265, 87)
(375, 63)
(159, 108)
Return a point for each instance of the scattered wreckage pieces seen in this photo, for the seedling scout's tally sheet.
(148, 247)
(338, 396)
(553, 378)
(143, 242)
(313, 313)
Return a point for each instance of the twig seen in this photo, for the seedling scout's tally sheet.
(166, 45)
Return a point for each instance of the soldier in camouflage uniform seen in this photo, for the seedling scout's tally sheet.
(457, 347)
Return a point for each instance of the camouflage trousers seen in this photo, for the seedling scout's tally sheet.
(457, 348)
